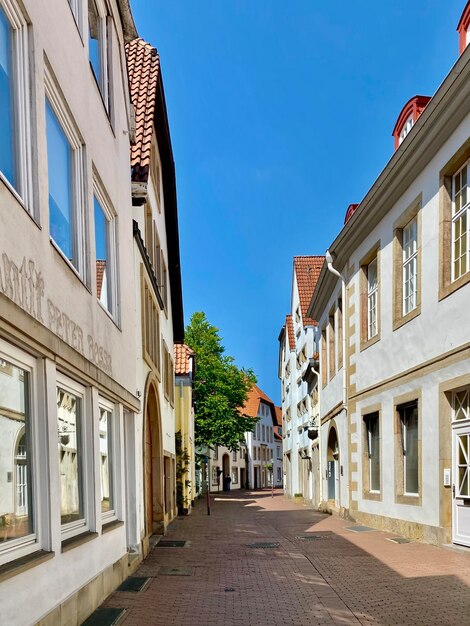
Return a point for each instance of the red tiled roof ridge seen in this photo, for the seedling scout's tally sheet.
(290, 331)
(255, 396)
(182, 354)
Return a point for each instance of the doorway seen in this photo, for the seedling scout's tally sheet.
(153, 463)
(225, 472)
(461, 486)
(333, 466)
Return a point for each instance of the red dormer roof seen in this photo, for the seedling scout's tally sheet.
(350, 212)
(182, 356)
(307, 270)
(462, 28)
(413, 108)
(255, 396)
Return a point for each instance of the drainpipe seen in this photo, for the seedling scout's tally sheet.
(329, 262)
(317, 374)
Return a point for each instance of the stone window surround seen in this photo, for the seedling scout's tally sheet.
(413, 211)
(446, 285)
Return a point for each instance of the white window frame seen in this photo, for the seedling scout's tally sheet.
(17, 548)
(113, 459)
(105, 52)
(457, 216)
(368, 419)
(82, 525)
(76, 6)
(113, 274)
(372, 301)
(410, 264)
(78, 177)
(22, 106)
(407, 126)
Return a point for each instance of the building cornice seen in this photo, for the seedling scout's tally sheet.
(440, 118)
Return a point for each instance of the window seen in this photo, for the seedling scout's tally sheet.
(278, 453)
(372, 432)
(105, 246)
(151, 328)
(19, 500)
(409, 432)
(215, 453)
(331, 344)
(106, 431)
(99, 46)
(460, 222)
(372, 287)
(235, 475)
(76, 7)
(370, 298)
(15, 104)
(340, 333)
(234, 455)
(164, 282)
(279, 474)
(324, 373)
(461, 404)
(264, 433)
(406, 265)
(71, 431)
(168, 376)
(410, 266)
(407, 126)
(65, 163)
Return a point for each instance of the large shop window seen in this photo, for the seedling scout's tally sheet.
(19, 502)
(105, 247)
(15, 104)
(65, 163)
(71, 430)
(409, 431)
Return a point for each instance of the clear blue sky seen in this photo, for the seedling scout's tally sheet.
(281, 115)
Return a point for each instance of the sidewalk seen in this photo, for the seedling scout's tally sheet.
(335, 576)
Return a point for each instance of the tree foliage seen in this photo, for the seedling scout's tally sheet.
(220, 388)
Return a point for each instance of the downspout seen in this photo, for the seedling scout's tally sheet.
(317, 374)
(329, 262)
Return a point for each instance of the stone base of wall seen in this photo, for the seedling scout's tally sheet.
(413, 530)
(82, 603)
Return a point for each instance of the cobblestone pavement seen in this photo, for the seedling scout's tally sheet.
(338, 577)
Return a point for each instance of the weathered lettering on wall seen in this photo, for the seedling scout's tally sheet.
(24, 285)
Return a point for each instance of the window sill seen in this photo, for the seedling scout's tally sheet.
(402, 320)
(18, 566)
(108, 526)
(372, 495)
(369, 342)
(411, 500)
(447, 290)
(109, 315)
(77, 540)
(20, 201)
(71, 267)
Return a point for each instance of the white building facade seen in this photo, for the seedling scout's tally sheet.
(224, 462)
(395, 395)
(299, 385)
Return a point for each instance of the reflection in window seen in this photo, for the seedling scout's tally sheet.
(372, 294)
(15, 463)
(410, 266)
(103, 269)
(409, 424)
(98, 47)
(60, 202)
(70, 456)
(373, 450)
(7, 150)
(107, 503)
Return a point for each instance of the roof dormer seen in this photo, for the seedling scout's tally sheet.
(350, 212)
(408, 117)
(463, 28)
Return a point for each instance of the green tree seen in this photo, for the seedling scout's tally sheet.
(220, 388)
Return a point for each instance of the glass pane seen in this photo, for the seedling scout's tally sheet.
(464, 487)
(374, 453)
(105, 457)
(15, 463)
(372, 275)
(411, 449)
(463, 450)
(94, 25)
(7, 150)
(70, 456)
(60, 204)
(103, 277)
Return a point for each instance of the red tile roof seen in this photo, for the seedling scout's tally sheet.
(307, 270)
(182, 354)
(100, 268)
(255, 396)
(143, 64)
(278, 415)
(290, 331)
(276, 433)
(350, 212)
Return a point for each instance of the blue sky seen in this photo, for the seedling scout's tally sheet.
(281, 115)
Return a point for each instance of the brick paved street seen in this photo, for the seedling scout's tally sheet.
(341, 577)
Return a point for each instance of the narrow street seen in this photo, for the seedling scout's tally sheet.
(314, 570)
